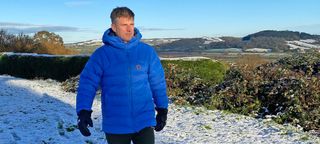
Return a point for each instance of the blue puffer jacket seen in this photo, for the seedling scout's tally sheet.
(132, 81)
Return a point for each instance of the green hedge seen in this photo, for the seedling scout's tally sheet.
(192, 82)
(288, 90)
(42, 66)
(205, 69)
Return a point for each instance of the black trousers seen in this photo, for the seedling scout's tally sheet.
(144, 136)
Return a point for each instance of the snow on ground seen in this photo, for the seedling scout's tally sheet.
(302, 44)
(39, 55)
(38, 111)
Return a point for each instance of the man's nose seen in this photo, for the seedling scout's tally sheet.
(129, 28)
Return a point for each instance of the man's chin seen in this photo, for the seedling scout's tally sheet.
(127, 39)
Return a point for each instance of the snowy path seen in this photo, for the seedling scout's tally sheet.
(38, 111)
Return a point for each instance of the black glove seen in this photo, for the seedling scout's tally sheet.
(161, 118)
(84, 119)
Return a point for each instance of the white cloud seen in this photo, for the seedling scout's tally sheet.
(16, 28)
(69, 34)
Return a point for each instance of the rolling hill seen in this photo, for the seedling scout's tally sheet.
(263, 41)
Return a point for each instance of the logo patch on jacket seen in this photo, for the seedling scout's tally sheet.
(138, 67)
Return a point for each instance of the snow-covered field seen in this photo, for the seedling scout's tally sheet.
(39, 112)
(303, 44)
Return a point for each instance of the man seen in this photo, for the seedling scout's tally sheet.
(133, 85)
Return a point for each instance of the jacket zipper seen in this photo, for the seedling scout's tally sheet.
(130, 89)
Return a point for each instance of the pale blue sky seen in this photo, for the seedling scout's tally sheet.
(77, 20)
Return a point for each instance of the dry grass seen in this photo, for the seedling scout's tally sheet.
(251, 61)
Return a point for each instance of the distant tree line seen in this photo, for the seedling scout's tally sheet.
(286, 35)
(183, 45)
(197, 44)
(275, 40)
(276, 44)
(228, 42)
(269, 39)
(43, 42)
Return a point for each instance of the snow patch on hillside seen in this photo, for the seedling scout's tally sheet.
(209, 40)
(303, 44)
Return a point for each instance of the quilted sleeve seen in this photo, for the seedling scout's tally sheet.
(157, 81)
(89, 81)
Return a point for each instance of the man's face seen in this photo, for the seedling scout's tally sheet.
(124, 28)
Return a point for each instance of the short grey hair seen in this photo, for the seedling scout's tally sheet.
(121, 12)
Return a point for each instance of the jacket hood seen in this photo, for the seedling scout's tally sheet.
(110, 38)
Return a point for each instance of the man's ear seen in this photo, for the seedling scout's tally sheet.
(113, 27)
